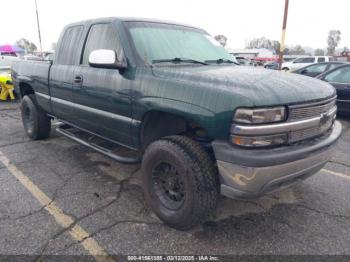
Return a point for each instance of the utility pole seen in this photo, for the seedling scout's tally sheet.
(284, 27)
(37, 20)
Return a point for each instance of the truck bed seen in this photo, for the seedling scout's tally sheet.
(36, 73)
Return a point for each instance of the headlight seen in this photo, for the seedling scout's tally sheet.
(259, 141)
(260, 115)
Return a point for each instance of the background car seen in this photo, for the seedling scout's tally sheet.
(339, 77)
(271, 65)
(6, 59)
(32, 58)
(5, 69)
(234, 60)
(243, 61)
(317, 69)
(305, 61)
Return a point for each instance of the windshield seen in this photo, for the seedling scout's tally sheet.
(156, 41)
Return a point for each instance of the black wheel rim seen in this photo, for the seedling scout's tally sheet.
(168, 185)
(28, 120)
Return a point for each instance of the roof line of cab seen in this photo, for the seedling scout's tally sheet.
(128, 19)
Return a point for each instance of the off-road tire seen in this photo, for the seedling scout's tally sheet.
(198, 174)
(36, 123)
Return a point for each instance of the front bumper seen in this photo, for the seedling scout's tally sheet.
(247, 173)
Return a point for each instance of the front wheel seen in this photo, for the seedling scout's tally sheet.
(180, 181)
(36, 123)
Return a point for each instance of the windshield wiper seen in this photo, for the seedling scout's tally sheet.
(221, 61)
(178, 60)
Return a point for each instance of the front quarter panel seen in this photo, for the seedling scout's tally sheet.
(207, 105)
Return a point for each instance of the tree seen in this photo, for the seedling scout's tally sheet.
(276, 45)
(30, 47)
(296, 50)
(263, 42)
(333, 40)
(221, 39)
(319, 52)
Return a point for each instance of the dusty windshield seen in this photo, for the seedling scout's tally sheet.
(156, 42)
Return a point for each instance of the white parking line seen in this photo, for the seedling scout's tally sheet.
(77, 232)
(336, 174)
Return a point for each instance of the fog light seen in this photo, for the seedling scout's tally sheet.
(259, 141)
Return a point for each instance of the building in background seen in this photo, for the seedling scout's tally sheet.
(343, 56)
(261, 55)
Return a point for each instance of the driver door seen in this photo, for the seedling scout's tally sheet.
(102, 95)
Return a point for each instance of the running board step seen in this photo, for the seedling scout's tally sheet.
(64, 130)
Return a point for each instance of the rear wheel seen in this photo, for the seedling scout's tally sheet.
(36, 123)
(180, 181)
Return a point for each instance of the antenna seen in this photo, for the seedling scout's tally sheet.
(37, 20)
(284, 27)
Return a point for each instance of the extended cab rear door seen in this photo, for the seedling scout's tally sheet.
(103, 95)
(62, 72)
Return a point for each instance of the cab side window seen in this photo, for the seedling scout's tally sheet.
(67, 53)
(101, 36)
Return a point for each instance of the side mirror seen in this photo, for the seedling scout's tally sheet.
(303, 72)
(105, 58)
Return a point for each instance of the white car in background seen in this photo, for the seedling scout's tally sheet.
(6, 60)
(305, 61)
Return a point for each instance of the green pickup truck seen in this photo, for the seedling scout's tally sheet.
(200, 124)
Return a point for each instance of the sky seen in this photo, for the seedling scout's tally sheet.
(309, 21)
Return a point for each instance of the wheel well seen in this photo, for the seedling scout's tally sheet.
(25, 89)
(156, 124)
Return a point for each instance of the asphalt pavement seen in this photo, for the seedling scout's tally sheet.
(60, 198)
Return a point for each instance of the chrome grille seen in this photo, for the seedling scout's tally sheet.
(310, 111)
(302, 112)
(300, 135)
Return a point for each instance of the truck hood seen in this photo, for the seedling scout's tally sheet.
(261, 87)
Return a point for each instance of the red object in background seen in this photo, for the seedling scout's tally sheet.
(266, 59)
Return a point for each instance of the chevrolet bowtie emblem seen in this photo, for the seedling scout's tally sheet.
(324, 119)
